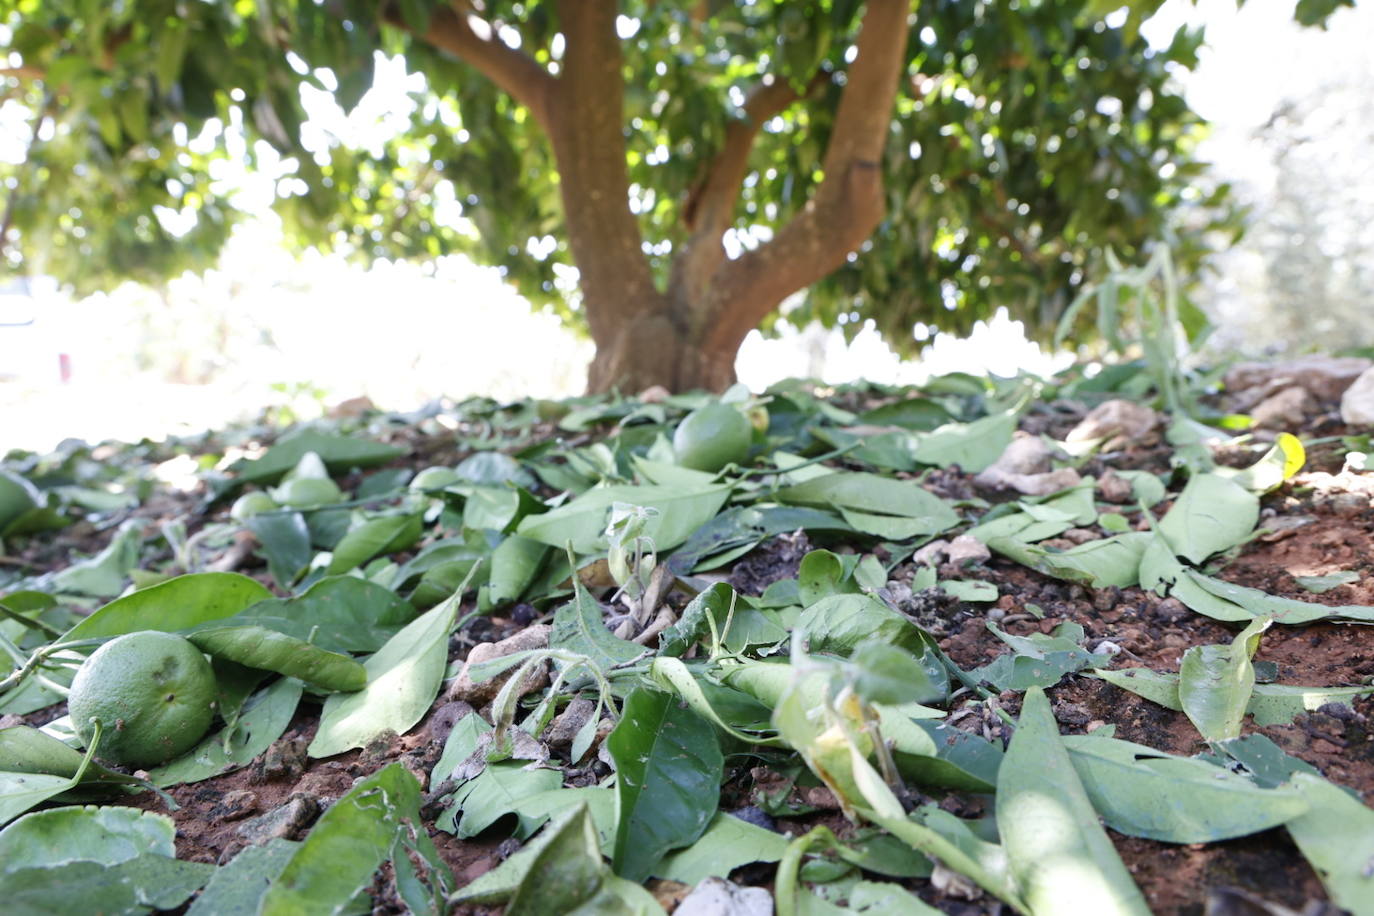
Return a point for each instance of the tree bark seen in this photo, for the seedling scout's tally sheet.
(687, 336)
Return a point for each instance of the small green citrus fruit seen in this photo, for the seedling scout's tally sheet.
(153, 693)
(251, 504)
(304, 492)
(435, 478)
(711, 437)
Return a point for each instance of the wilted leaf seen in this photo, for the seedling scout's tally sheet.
(339, 453)
(403, 678)
(263, 720)
(387, 534)
(1146, 793)
(176, 604)
(1212, 514)
(1215, 683)
(973, 446)
(1061, 856)
(900, 508)
(1270, 704)
(259, 647)
(582, 522)
(1336, 836)
(285, 541)
(668, 770)
(237, 888)
(340, 613)
(579, 627)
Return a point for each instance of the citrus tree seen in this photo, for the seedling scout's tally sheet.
(697, 162)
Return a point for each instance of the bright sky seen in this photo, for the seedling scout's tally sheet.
(264, 319)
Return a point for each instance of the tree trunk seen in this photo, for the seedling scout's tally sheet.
(687, 337)
(658, 342)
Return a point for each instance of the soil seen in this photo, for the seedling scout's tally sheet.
(1319, 523)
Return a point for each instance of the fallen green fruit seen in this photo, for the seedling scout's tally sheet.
(153, 693)
(711, 437)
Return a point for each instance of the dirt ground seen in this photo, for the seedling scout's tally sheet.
(1314, 530)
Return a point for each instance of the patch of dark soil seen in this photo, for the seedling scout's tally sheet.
(775, 559)
(1154, 632)
(1176, 879)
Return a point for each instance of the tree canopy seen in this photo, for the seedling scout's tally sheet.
(979, 153)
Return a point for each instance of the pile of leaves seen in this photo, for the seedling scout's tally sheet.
(991, 645)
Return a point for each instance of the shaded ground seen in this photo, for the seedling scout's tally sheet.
(1318, 528)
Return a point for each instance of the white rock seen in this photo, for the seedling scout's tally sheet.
(1324, 377)
(1119, 421)
(718, 897)
(965, 549)
(1025, 454)
(1357, 404)
(532, 637)
(1025, 467)
(1285, 410)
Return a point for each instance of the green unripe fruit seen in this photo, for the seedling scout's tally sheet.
(435, 478)
(711, 437)
(251, 504)
(304, 492)
(153, 693)
(759, 419)
(549, 411)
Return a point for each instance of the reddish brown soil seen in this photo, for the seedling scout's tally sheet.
(1153, 632)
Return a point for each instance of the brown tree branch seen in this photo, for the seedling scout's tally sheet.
(589, 146)
(459, 31)
(847, 205)
(719, 189)
(710, 206)
(22, 72)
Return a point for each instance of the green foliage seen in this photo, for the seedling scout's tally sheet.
(1025, 139)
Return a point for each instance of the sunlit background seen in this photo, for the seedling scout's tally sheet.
(1293, 121)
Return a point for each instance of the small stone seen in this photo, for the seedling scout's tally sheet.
(1349, 504)
(234, 805)
(288, 821)
(569, 722)
(442, 720)
(1025, 454)
(1119, 422)
(719, 897)
(952, 884)
(1325, 377)
(753, 814)
(932, 554)
(1340, 712)
(965, 550)
(1025, 467)
(1171, 610)
(1357, 404)
(352, 407)
(820, 797)
(655, 394)
(284, 761)
(10, 720)
(534, 637)
(1114, 488)
(1288, 409)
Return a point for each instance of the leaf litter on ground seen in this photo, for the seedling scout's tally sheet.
(638, 742)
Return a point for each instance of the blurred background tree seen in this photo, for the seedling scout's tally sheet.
(1302, 277)
(917, 165)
